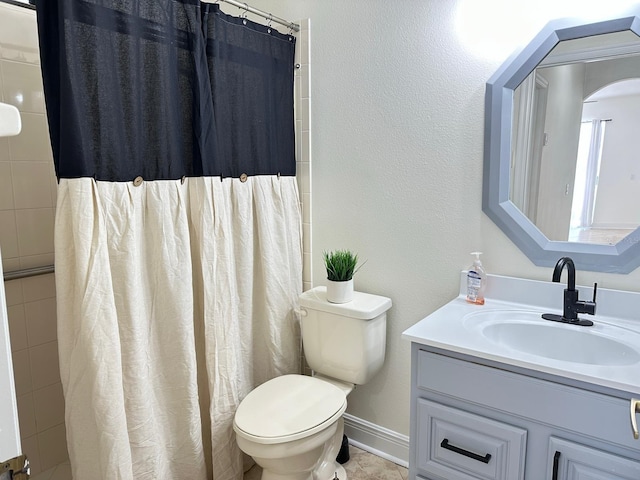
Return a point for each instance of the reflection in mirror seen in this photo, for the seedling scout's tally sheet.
(574, 171)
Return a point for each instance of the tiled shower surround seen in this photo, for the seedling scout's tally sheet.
(27, 207)
(27, 200)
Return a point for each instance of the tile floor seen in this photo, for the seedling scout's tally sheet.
(361, 466)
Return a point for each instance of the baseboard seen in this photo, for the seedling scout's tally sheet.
(378, 440)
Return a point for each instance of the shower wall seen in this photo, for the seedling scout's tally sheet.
(303, 142)
(27, 200)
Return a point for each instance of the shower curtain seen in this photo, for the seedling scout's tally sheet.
(178, 232)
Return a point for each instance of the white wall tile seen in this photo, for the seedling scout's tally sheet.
(303, 177)
(305, 84)
(32, 144)
(10, 264)
(304, 49)
(8, 234)
(33, 261)
(48, 404)
(39, 288)
(306, 269)
(31, 450)
(4, 149)
(304, 113)
(17, 327)
(26, 415)
(306, 238)
(54, 183)
(1, 86)
(13, 292)
(44, 365)
(306, 146)
(40, 317)
(306, 207)
(22, 372)
(18, 34)
(297, 58)
(22, 86)
(52, 444)
(6, 187)
(31, 184)
(62, 472)
(35, 231)
(298, 134)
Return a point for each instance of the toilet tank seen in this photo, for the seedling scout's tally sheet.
(345, 341)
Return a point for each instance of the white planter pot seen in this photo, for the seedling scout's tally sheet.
(340, 292)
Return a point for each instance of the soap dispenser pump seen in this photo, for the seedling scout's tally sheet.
(476, 279)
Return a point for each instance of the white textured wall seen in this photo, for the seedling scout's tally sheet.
(397, 138)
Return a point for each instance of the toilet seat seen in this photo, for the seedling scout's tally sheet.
(288, 408)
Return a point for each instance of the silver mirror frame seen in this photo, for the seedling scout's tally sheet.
(623, 257)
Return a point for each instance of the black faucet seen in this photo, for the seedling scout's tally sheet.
(572, 306)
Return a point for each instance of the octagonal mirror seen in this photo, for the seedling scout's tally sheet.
(561, 168)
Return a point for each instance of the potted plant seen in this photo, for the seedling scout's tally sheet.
(341, 265)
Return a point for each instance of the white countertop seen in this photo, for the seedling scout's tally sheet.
(457, 327)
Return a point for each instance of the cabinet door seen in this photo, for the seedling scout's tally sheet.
(571, 461)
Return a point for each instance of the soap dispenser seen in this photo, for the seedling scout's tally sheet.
(476, 279)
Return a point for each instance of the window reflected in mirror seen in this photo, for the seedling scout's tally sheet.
(575, 138)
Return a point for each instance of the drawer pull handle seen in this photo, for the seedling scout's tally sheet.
(635, 408)
(446, 445)
(556, 465)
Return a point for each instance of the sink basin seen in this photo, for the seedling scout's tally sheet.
(526, 332)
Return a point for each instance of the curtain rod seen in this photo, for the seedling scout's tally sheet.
(293, 26)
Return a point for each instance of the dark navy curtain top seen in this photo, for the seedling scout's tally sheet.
(164, 89)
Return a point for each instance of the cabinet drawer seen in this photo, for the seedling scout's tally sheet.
(592, 414)
(457, 445)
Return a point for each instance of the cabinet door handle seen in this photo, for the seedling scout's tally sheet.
(446, 445)
(556, 465)
(635, 408)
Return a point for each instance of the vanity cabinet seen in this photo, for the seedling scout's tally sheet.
(570, 461)
(476, 419)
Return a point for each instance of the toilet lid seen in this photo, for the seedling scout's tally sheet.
(287, 408)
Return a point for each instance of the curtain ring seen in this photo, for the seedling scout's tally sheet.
(269, 23)
(244, 15)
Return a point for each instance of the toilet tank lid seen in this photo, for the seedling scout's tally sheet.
(364, 306)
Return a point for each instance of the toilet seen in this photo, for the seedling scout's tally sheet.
(292, 425)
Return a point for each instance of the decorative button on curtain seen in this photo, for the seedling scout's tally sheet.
(175, 297)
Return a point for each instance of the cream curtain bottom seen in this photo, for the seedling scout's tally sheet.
(174, 301)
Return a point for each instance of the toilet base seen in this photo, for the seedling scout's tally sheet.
(340, 472)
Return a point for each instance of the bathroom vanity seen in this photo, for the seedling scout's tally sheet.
(500, 393)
